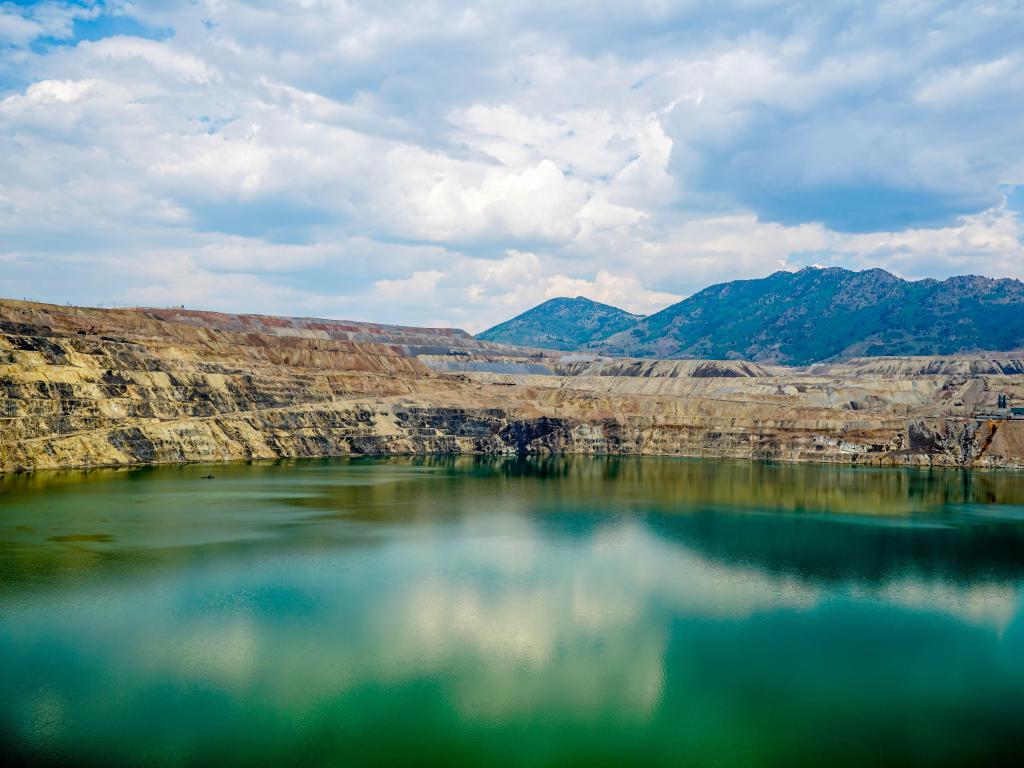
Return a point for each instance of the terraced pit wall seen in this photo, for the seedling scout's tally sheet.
(93, 387)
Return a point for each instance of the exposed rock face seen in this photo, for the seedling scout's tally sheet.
(86, 387)
(924, 366)
(697, 369)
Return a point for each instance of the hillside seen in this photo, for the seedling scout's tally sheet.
(815, 315)
(562, 323)
(83, 387)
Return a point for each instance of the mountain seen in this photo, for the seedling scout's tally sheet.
(831, 314)
(562, 323)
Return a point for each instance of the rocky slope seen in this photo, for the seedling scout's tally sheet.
(562, 323)
(89, 387)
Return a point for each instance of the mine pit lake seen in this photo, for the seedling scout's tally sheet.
(559, 611)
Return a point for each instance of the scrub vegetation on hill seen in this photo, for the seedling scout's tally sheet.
(813, 315)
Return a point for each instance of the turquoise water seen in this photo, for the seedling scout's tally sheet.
(510, 612)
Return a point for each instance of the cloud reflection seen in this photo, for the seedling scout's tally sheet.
(481, 597)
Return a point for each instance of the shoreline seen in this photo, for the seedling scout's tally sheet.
(914, 461)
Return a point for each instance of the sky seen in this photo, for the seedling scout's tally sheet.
(452, 164)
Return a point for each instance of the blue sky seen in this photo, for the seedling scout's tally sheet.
(453, 164)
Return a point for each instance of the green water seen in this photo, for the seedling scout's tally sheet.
(508, 612)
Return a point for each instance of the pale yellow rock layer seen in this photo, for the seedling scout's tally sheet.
(89, 387)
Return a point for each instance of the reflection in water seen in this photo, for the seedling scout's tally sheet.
(565, 610)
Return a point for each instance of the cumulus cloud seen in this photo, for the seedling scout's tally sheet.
(452, 164)
(23, 23)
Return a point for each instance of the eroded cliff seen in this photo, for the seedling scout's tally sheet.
(89, 387)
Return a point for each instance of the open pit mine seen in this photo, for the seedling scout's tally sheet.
(83, 387)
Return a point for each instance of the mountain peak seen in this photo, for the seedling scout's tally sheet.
(813, 314)
(832, 313)
(562, 323)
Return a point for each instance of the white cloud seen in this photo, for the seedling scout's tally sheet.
(332, 158)
(134, 52)
(957, 85)
(17, 30)
(21, 25)
(434, 197)
(991, 242)
(624, 291)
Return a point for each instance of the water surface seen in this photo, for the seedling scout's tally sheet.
(511, 612)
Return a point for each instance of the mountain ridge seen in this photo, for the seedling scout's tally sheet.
(826, 314)
(562, 323)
